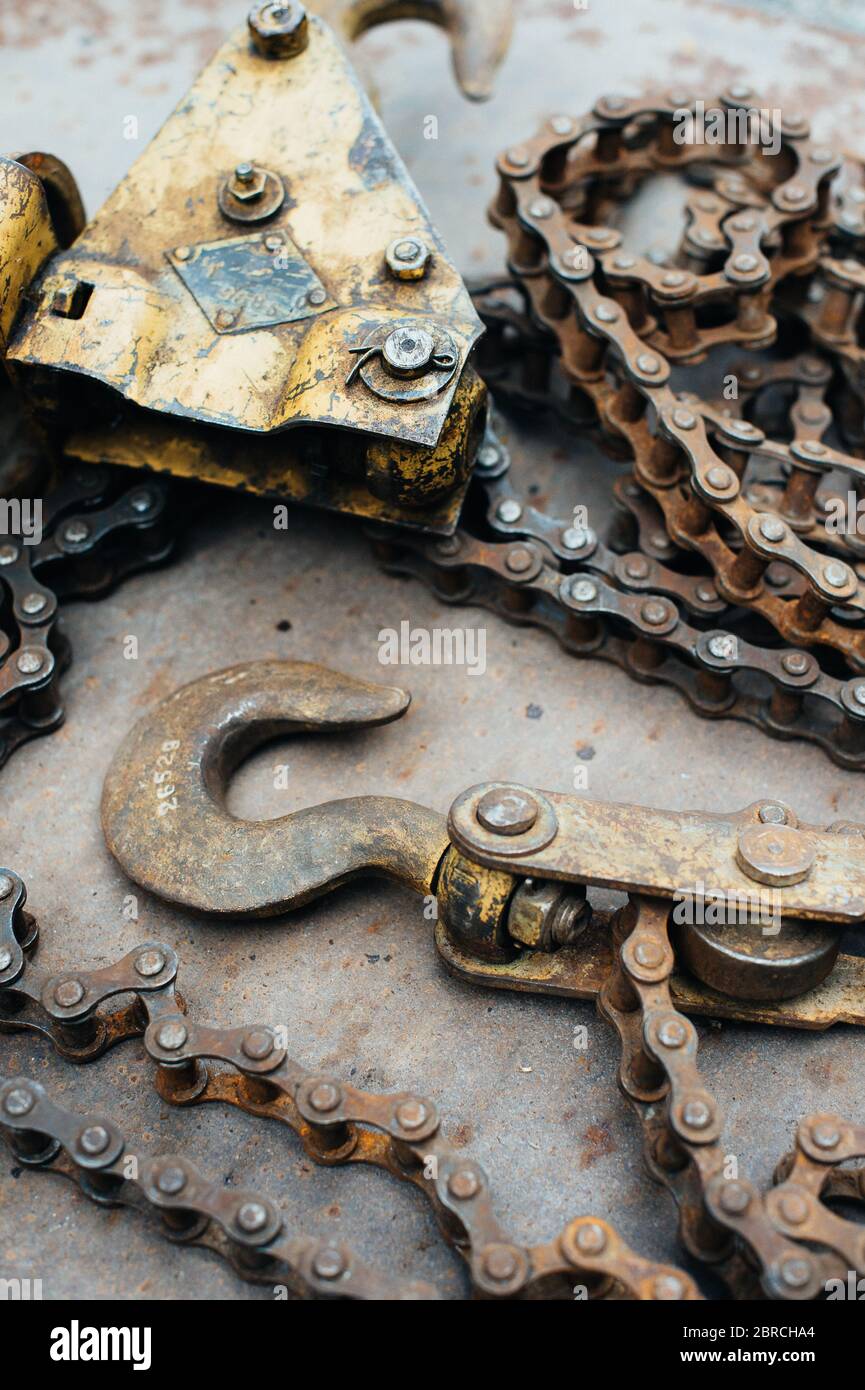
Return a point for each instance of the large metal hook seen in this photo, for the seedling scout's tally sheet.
(163, 803)
(479, 31)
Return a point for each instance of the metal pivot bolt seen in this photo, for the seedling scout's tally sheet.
(408, 258)
(251, 193)
(279, 29)
(507, 811)
(775, 854)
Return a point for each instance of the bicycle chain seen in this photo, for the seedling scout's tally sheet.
(96, 531)
(786, 1243)
(336, 1122)
(587, 328)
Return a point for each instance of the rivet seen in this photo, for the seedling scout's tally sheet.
(649, 954)
(258, 1044)
(591, 1238)
(499, 1263)
(684, 420)
(719, 477)
(648, 364)
(171, 1180)
(519, 560)
(734, 1199)
(252, 1217)
(507, 811)
(411, 1114)
(796, 1273)
(696, 1114)
(509, 511)
(673, 1033)
(32, 604)
(771, 529)
(463, 1184)
(328, 1263)
(150, 963)
(836, 574)
(18, 1102)
(94, 1140)
(171, 1036)
(770, 813)
(583, 590)
(796, 663)
(6, 885)
(324, 1097)
(723, 646)
(69, 993)
(655, 612)
(29, 662)
(825, 1135)
(794, 1208)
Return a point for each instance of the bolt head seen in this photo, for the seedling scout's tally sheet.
(408, 258)
(279, 29)
(408, 351)
(507, 811)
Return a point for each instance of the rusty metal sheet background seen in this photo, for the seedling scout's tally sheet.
(354, 978)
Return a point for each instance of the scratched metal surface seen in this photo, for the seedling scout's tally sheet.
(354, 978)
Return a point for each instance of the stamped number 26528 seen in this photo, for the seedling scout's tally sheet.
(166, 791)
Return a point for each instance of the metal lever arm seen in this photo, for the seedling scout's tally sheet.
(163, 804)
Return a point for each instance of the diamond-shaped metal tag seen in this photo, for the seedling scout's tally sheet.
(251, 281)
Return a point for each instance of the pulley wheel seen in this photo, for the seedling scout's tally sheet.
(741, 960)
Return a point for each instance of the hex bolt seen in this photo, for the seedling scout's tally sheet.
(29, 662)
(94, 1140)
(408, 258)
(33, 604)
(734, 1199)
(697, 1114)
(507, 811)
(150, 963)
(770, 813)
(328, 1263)
(591, 1238)
(18, 1102)
(509, 511)
(6, 885)
(171, 1036)
(171, 1181)
(673, 1032)
(411, 1114)
(825, 1135)
(583, 590)
(69, 993)
(324, 1097)
(279, 29)
(258, 1044)
(499, 1263)
(771, 529)
(252, 1217)
(463, 1184)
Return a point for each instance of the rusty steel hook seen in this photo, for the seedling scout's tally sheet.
(163, 803)
(479, 31)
